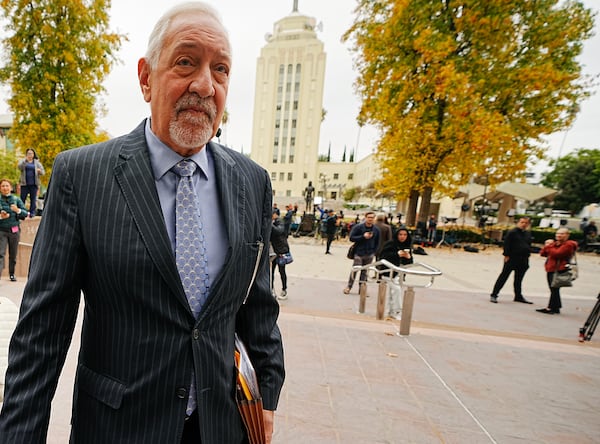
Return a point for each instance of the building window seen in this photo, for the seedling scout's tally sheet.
(294, 123)
(292, 141)
(306, 175)
(291, 158)
(336, 176)
(295, 104)
(350, 176)
(281, 177)
(277, 124)
(290, 176)
(273, 175)
(288, 193)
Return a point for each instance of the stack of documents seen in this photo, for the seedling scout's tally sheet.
(248, 397)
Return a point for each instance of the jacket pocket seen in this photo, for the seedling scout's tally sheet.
(103, 388)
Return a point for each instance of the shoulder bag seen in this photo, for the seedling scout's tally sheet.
(566, 277)
(284, 259)
(350, 254)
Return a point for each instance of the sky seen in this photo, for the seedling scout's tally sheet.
(247, 23)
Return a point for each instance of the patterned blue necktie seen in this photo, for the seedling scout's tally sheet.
(190, 249)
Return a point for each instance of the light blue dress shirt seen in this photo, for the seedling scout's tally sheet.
(162, 159)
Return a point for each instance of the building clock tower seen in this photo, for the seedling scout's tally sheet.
(288, 104)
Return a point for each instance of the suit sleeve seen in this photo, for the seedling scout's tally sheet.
(506, 250)
(46, 320)
(257, 318)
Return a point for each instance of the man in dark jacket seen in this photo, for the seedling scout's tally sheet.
(287, 219)
(517, 248)
(366, 237)
(331, 224)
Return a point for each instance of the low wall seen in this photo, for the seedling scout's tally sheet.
(8, 319)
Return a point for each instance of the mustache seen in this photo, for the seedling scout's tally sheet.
(197, 103)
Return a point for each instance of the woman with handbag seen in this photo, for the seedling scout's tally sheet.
(558, 253)
(282, 257)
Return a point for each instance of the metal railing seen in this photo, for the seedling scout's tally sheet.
(383, 275)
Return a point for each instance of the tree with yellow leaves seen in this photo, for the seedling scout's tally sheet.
(59, 52)
(464, 88)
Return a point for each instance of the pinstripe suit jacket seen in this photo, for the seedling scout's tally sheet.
(103, 233)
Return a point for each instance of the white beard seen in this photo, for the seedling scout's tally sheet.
(190, 131)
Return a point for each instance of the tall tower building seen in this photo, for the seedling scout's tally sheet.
(288, 104)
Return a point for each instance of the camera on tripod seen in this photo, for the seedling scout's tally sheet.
(587, 331)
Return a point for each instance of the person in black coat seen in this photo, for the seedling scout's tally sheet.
(517, 249)
(280, 247)
(331, 224)
(398, 251)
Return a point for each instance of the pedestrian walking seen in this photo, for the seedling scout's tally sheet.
(366, 237)
(31, 170)
(170, 258)
(516, 252)
(331, 225)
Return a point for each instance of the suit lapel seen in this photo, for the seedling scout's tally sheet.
(136, 179)
(232, 190)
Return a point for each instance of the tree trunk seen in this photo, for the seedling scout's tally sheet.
(425, 204)
(411, 214)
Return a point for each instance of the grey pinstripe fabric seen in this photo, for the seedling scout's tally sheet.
(103, 233)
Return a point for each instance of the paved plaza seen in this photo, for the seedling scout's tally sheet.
(469, 372)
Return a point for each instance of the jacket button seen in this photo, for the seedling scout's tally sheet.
(182, 393)
(196, 334)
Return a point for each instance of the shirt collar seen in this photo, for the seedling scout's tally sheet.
(162, 158)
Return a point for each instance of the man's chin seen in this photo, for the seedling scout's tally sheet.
(191, 133)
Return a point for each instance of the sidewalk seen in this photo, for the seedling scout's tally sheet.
(470, 371)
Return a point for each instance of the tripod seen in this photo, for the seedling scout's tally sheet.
(453, 226)
(587, 331)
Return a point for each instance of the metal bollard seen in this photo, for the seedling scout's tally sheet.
(362, 291)
(381, 299)
(407, 309)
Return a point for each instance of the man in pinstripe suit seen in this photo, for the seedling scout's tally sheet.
(108, 231)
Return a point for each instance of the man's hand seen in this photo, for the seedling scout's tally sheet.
(268, 418)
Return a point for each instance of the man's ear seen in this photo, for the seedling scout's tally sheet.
(144, 78)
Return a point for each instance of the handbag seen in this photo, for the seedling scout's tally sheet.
(566, 277)
(284, 259)
(350, 254)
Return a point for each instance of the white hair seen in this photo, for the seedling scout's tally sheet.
(157, 36)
